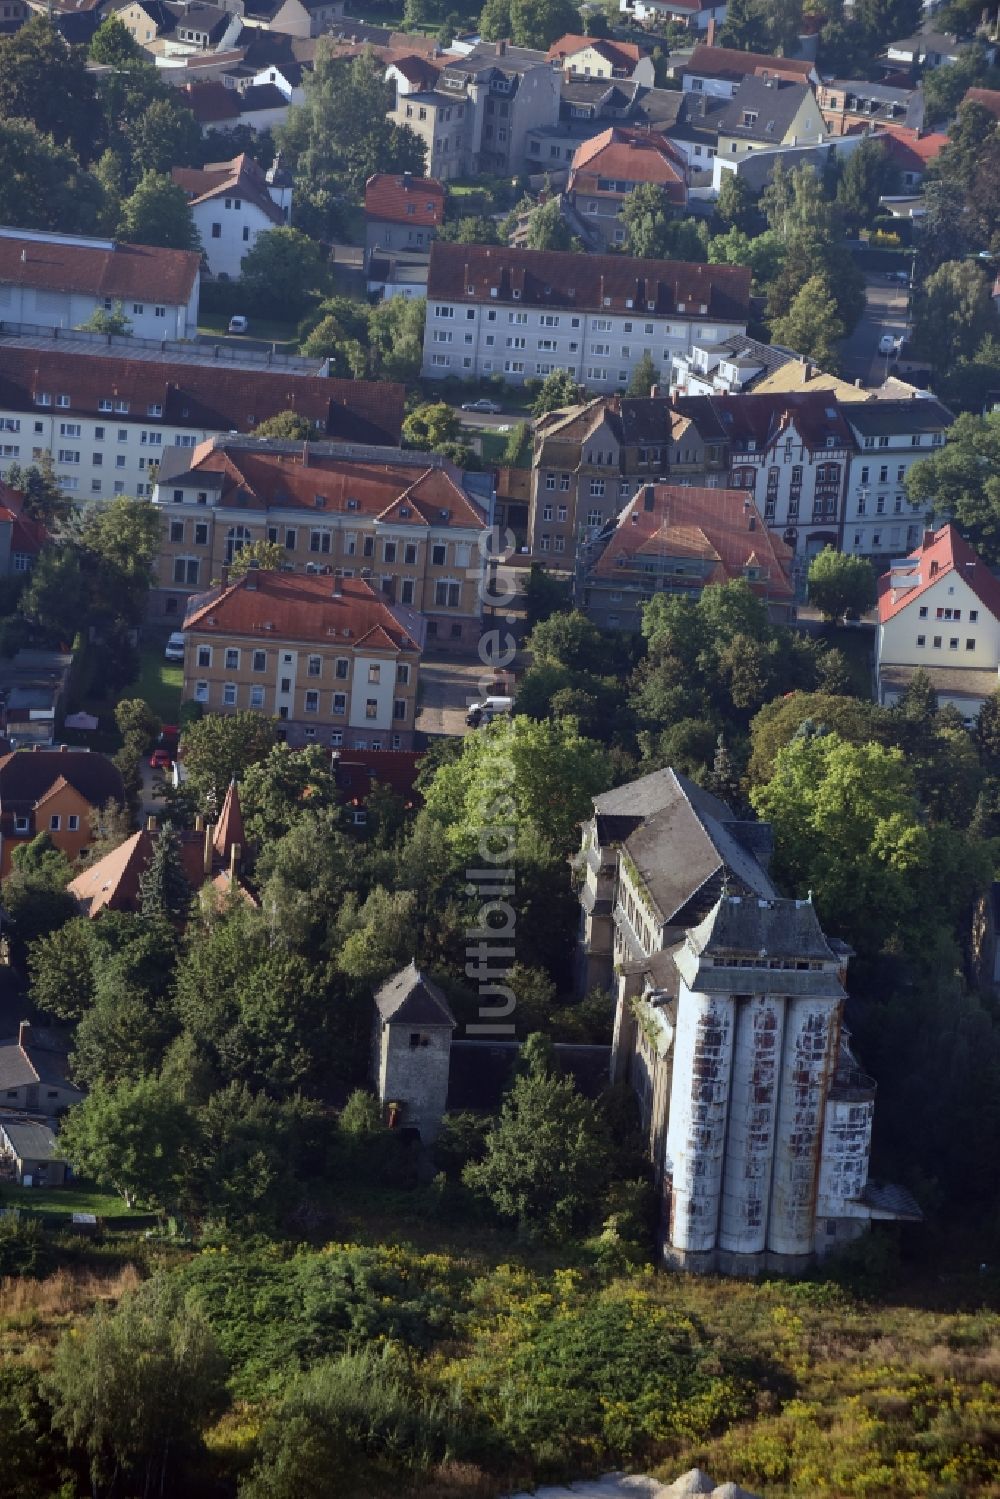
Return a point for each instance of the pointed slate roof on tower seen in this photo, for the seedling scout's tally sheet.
(409, 998)
(229, 828)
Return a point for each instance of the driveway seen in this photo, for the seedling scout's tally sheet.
(885, 312)
(447, 687)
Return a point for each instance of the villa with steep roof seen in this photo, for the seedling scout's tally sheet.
(939, 612)
(729, 1029)
(409, 523)
(612, 165)
(232, 203)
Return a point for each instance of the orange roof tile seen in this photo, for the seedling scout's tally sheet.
(97, 268)
(989, 98)
(405, 199)
(941, 552)
(909, 149)
(729, 62)
(723, 527)
(287, 606)
(621, 55)
(631, 156)
(229, 832)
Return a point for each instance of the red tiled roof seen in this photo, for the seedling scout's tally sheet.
(421, 72)
(215, 399)
(405, 494)
(113, 883)
(764, 417)
(559, 278)
(28, 776)
(211, 101)
(405, 199)
(241, 176)
(26, 535)
(123, 271)
(711, 524)
(941, 552)
(286, 606)
(989, 98)
(630, 156)
(623, 55)
(357, 771)
(728, 62)
(910, 150)
(229, 829)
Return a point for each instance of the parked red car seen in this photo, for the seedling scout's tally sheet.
(160, 759)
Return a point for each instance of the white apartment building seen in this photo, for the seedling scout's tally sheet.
(891, 436)
(939, 611)
(61, 280)
(521, 314)
(106, 415)
(232, 204)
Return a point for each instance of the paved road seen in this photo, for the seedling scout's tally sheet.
(885, 312)
(447, 687)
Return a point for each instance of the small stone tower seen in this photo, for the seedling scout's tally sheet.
(412, 1049)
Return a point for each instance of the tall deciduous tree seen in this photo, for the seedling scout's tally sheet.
(558, 389)
(45, 81)
(839, 583)
(547, 229)
(955, 313)
(811, 325)
(537, 23)
(165, 135)
(157, 213)
(129, 1136)
(285, 267)
(961, 482)
(42, 185)
(220, 748)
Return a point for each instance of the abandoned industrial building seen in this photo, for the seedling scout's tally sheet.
(729, 1027)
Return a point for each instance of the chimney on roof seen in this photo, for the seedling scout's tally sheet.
(150, 824)
(199, 824)
(407, 178)
(305, 454)
(928, 538)
(710, 36)
(648, 497)
(501, 49)
(252, 570)
(24, 1034)
(207, 849)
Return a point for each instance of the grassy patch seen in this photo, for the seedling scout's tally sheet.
(261, 329)
(159, 683)
(78, 1197)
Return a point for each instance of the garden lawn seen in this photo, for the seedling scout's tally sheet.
(77, 1197)
(260, 329)
(159, 682)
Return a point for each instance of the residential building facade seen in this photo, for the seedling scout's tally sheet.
(53, 791)
(880, 519)
(34, 1072)
(602, 57)
(107, 415)
(60, 280)
(408, 522)
(719, 71)
(939, 612)
(232, 204)
(328, 657)
(402, 212)
(851, 104)
(765, 112)
(729, 1029)
(524, 313)
(677, 540)
(606, 169)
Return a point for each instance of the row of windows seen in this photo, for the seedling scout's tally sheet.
(547, 320)
(916, 440)
(23, 824)
(970, 644)
(232, 655)
(950, 614)
(256, 698)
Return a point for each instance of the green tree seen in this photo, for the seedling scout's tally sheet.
(537, 23)
(102, 320)
(736, 206)
(43, 500)
(114, 46)
(284, 266)
(34, 893)
(137, 723)
(339, 136)
(164, 136)
(559, 389)
(221, 748)
(379, 937)
(945, 87)
(812, 326)
(129, 1137)
(429, 425)
(547, 229)
(839, 584)
(644, 377)
(516, 776)
(396, 338)
(264, 555)
(570, 640)
(133, 1389)
(164, 891)
(44, 81)
(866, 175)
(157, 213)
(60, 970)
(288, 424)
(961, 482)
(547, 1157)
(279, 790)
(469, 229)
(955, 313)
(494, 23)
(42, 185)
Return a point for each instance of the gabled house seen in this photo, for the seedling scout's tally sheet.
(21, 538)
(31, 1145)
(232, 203)
(54, 791)
(853, 104)
(306, 17)
(912, 151)
(402, 212)
(611, 165)
(180, 27)
(602, 57)
(678, 540)
(939, 612)
(719, 71)
(765, 112)
(212, 854)
(696, 15)
(34, 1072)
